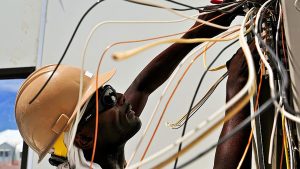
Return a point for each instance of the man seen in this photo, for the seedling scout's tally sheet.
(118, 113)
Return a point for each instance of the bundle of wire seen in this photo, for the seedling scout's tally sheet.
(242, 94)
(236, 103)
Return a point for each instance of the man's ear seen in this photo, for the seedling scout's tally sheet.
(84, 138)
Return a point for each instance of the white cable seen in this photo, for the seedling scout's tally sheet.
(290, 116)
(289, 144)
(271, 82)
(73, 129)
(262, 57)
(271, 146)
(271, 78)
(83, 56)
(250, 86)
(174, 74)
(271, 74)
(158, 103)
(273, 134)
(182, 15)
(296, 5)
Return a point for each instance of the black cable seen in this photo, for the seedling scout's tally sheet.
(182, 4)
(281, 70)
(207, 8)
(212, 8)
(196, 92)
(62, 57)
(201, 102)
(234, 131)
(246, 121)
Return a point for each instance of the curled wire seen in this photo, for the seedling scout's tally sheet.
(180, 122)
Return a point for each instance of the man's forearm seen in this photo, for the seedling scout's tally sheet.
(161, 67)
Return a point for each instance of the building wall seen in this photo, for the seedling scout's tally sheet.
(8, 154)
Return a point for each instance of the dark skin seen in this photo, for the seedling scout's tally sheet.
(116, 125)
(235, 146)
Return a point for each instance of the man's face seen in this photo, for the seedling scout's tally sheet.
(117, 122)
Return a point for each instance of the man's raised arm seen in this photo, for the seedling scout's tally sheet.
(162, 66)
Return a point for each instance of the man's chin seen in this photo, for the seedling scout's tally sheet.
(135, 126)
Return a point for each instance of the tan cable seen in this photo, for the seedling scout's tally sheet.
(234, 109)
(179, 121)
(168, 102)
(255, 109)
(230, 114)
(205, 65)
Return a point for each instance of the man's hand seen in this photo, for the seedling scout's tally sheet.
(205, 31)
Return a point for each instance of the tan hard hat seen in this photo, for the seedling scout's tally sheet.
(43, 121)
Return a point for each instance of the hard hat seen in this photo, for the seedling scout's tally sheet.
(53, 111)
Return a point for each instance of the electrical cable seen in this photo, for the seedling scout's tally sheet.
(271, 76)
(196, 92)
(292, 144)
(234, 131)
(207, 8)
(160, 99)
(282, 152)
(167, 104)
(102, 23)
(285, 143)
(88, 39)
(262, 57)
(296, 5)
(276, 113)
(66, 49)
(284, 84)
(179, 123)
(289, 145)
(273, 135)
(248, 87)
(246, 150)
(182, 4)
(255, 109)
(275, 59)
(284, 77)
(246, 93)
(182, 15)
(211, 69)
(86, 44)
(283, 47)
(212, 7)
(162, 95)
(129, 53)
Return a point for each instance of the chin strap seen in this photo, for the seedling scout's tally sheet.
(60, 151)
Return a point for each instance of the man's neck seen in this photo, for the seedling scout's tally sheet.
(112, 158)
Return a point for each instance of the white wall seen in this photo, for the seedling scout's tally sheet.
(19, 33)
(60, 23)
